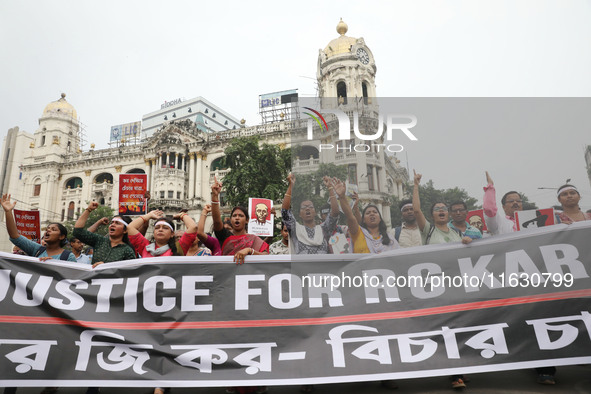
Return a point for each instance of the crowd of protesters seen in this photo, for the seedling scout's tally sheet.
(304, 233)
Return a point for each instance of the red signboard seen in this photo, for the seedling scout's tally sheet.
(28, 224)
(132, 191)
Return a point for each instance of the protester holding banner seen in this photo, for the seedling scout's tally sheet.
(236, 242)
(281, 246)
(408, 233)
(113, 247)
(309, 238)
(76, 245)
(569, 198)
(439, 232)
(164, 241)
(459, 212)
(496, 222)
(371, 235)
(54, 237)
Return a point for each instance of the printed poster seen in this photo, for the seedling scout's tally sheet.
(261, 217)
(132, 191)
(476, 219)
(534, 218)
(28, 224)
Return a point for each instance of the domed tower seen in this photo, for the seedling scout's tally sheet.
(346, 68)
(58, 130)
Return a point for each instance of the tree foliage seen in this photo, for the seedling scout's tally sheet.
(311, 187)
(255, 170)
(99, 213)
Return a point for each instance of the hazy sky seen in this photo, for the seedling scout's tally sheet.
(118, 60)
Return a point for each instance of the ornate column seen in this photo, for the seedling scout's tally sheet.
(198, 176)
(376, 181)
(191, 191)
(153, 175)
(149, 173)
(160, 160)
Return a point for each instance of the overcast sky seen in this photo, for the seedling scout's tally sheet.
(119, 60)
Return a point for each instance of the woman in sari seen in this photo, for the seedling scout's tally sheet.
(164, 241)
(371, 235)
(238, 242)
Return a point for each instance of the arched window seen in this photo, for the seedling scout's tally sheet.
(73, 183)
(342, 92)
(364, 89)
(71, 210)
(36, 187)
(136, 171)
(103, 177)
(217, 164)
(307, 151)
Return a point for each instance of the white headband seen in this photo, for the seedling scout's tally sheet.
(165, 223)
(405, 205)
(566, 188)
(119, 220)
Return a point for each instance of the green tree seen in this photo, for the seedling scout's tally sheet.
(311, 187)
(99, 213)
(255, 170)
(527, 204)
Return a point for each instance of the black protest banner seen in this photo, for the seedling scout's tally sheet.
(501, 303)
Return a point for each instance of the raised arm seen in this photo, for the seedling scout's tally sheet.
(201, 224)
(190, 224)
(416, 202)
(355, 207)
(8, 211)
(84, 217)
(101, 222)
(287, 198)
(352, 222)
(135, 226)
(216, 215)
(332, 196)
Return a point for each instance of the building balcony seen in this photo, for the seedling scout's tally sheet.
(72, 193)
(171, 172)
(102, 187)
(219, 174)
(167, 203)
(310, 164)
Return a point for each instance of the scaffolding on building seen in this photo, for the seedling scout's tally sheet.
(279, 106)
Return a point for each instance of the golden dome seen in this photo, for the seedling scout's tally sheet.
(60, 106)
(342, 44)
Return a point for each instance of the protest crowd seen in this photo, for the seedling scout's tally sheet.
(346, 225)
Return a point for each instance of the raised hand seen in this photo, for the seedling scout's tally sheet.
(156, 214)
(489, 180)
(206, 209)
(290, 179)
(92, 206)
(339, 187)
(6, 204)
(417, 178)
(216, 188)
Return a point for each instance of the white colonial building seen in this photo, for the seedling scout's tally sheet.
(48, 171)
